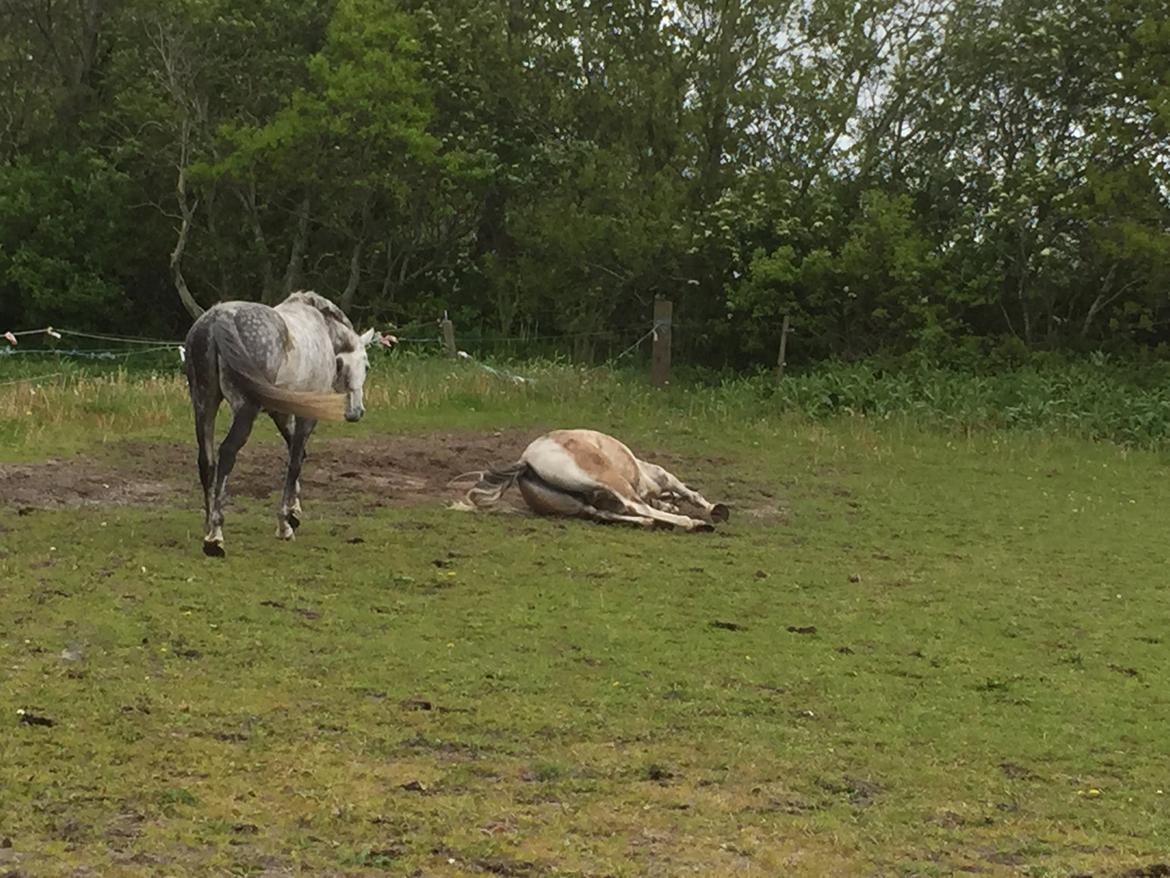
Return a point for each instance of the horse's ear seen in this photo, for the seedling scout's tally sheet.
(367, 337)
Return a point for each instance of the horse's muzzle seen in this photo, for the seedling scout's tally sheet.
(354, 415)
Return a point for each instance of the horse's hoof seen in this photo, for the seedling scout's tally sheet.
(720, 512)
(294, 520)
(214, 550)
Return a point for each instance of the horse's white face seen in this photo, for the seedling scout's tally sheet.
(351, 375)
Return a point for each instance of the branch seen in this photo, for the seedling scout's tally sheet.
(188, 214)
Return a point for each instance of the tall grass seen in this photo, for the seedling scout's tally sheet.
(1097, 400)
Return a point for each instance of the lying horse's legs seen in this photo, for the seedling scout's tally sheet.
(683, 521)
(545, 499)
(288, 516)
(670, 484)
(245, 416)
(663, 505)
(614, 495)
(637, 508)
(605, 515)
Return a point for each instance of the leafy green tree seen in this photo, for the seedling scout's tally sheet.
(61, 237)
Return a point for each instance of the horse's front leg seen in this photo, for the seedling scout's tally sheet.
(674, 488)
(286, 424)
(665, 503)
(288, 517)
(241, 428)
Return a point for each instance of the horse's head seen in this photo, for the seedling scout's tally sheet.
(352, 362)
(349, 350)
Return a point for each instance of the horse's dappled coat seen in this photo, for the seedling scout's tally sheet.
(300, 362)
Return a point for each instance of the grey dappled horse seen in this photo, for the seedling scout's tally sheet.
(300, 362)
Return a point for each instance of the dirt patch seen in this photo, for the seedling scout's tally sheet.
(75, 481)
(394, 470)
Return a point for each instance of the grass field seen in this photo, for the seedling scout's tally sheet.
(912, 651)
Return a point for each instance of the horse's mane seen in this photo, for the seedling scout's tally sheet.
(326, 307)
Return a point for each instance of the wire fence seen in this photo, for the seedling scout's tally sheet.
(137, 351)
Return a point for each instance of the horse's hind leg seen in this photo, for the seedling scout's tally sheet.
(203, 385)
(617, 517)
(666, 518)
(638, 509)
(546, 499)
(288, 516)
(205, 440)
(245, 416)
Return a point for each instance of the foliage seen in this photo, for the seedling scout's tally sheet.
(62, 228)
(891, 176)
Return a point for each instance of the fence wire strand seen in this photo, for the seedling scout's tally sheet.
(157, 345)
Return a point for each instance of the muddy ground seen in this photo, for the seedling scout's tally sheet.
(390, 470)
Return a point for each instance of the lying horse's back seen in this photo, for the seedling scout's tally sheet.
(582, 460)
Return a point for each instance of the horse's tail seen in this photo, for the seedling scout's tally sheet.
(305, 404)
(493, 483)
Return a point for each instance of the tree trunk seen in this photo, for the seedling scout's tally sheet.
(187, 213)
(268, 289)
(1026, 314)
(717, 104)
(296, 256)
(186, 216)
(1099, 302)
(388, 288)
(355, 257)
(355, 274)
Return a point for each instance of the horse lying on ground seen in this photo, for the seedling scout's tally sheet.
(587, 474)
(300, 362)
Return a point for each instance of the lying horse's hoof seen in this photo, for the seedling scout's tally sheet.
(719, 512)
(214, 550)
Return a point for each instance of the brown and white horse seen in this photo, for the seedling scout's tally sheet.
(587, 474)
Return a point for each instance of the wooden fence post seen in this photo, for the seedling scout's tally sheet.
(780, 361)
(660, 358)
(448, 336)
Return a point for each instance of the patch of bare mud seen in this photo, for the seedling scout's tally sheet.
(390, 470)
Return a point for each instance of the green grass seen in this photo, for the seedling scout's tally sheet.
(485, 694)
(1098, 398)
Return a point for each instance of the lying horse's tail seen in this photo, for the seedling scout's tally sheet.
(239, 363)
(492, 484)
